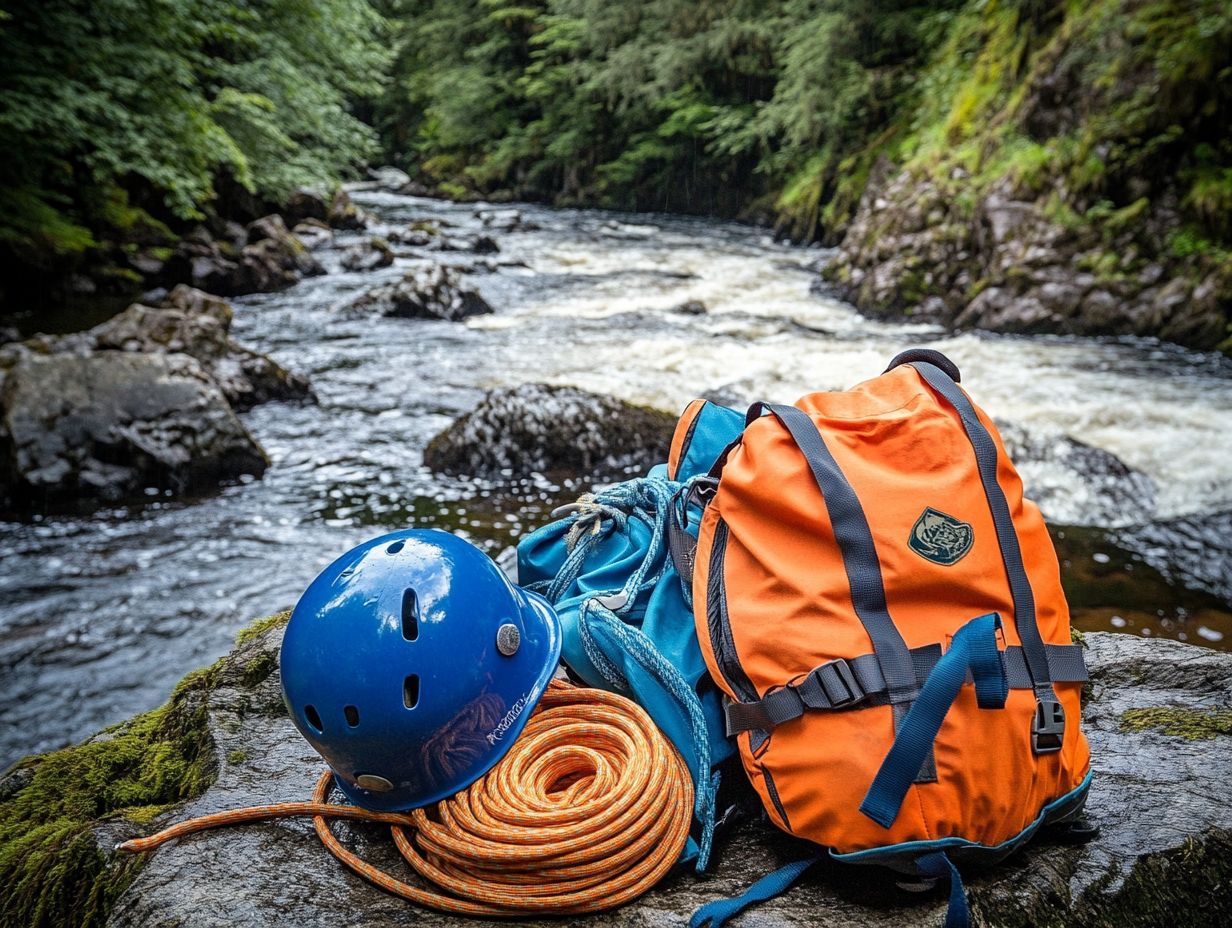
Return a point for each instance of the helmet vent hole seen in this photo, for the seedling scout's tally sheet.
(395, 547)
(314, 719)
(410, 691)
(352, 715)
(410, 615)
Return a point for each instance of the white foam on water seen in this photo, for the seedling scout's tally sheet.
(767, 334)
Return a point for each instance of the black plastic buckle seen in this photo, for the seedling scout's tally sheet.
(1048, 729)
(702, 491)
(839, 683)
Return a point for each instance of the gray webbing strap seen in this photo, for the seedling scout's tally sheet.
(1007, 538)
(857, 683)
(855, 542)
(1048, 728)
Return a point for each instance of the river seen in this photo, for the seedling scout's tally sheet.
(101, 615)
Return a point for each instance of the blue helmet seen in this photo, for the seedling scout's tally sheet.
(411, 664)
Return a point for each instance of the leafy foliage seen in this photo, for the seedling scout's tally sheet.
(124, 120)
(121, 114)
(728, 106)
(780, 109)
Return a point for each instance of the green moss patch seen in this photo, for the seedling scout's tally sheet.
(261, 626)
(56, 872)
(1191, 724)
(60, 813)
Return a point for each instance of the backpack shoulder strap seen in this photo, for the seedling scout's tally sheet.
(855, 541)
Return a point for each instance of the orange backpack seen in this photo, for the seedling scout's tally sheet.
(884, 612)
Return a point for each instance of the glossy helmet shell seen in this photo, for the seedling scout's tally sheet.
(412, 663)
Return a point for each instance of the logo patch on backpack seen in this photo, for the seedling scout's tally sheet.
(940, 538)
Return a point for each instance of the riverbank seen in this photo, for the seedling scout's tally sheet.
(1155, 715)
(105, 611)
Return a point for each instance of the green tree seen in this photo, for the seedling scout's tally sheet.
(120, 116)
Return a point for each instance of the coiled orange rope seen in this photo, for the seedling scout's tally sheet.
(588, 810)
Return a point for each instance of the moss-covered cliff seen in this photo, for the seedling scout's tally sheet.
(1025, 165)
(1069, 170)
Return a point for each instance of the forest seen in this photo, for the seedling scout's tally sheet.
(281, 277)
(127, 122)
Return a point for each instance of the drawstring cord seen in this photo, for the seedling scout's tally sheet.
(588, 810)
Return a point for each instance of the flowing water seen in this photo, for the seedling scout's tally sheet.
(100, 615)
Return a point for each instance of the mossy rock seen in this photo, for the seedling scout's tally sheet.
(1191, 724)
(60, 813)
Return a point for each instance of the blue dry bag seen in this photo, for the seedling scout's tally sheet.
(625, 612)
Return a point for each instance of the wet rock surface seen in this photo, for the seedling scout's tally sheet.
(368, 255)
(505, 220)
(343, 213)
(389, 177)
(198, 324)
(314, 233)
(1195, 551)
(108, 425)
(146, 399)
(479, 244)
(435, 292)
(262, 257)
(540, 429)
(1158, 799)
(1074, 482)
(306, 205)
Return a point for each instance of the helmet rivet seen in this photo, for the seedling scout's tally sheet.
(370, 781)
(507, 639)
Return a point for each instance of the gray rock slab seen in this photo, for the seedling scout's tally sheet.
(1161, 802)
(107, 425)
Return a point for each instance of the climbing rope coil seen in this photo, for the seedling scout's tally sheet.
(588, 810)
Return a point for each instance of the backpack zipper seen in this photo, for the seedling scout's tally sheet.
(717, 623)
(774, 796)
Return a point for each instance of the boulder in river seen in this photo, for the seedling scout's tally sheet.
(479, 244)
(145, 399)
(416, 235)
(1193, 550)
(541, 429)
(434, 292)
(344, 214)
(690, 308)
(1075, 483)
(390, 178)
(109, 425)
(334, 210)
(1157, 717)
(306, 204)
(368, 255)
(198, 324)
(314, 233)
(272, 246)
(505, 220)
(269, 258)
